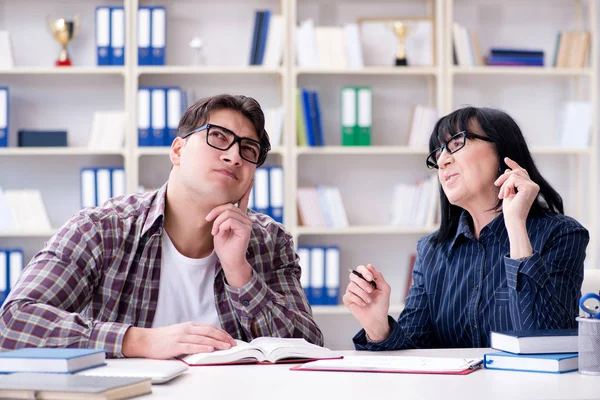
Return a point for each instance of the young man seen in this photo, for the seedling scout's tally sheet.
(178, 271)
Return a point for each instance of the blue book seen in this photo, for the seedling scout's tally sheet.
(255, 37)
(103, 32)
(262, 44)
(536, 341)
(550, 363)
(51, 360)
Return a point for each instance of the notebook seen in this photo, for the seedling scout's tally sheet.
(536, 342)
(159, 371)
(50, 360)
(67, 387)
(554, 363)
(395, 364)
(265, 350)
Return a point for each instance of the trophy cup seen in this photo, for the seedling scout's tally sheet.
(64, 31)
(400, 30)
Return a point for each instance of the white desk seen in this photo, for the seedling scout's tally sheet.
(278, 382)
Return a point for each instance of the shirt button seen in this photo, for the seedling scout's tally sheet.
(474, 327)
(245, 303)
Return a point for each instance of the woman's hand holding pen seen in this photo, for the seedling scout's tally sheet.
(369, 303)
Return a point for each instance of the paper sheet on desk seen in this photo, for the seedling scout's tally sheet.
(399, 364)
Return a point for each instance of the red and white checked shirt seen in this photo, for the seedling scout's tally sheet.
(100, 274)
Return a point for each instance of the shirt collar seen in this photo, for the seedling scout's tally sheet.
(156, 210)
(495, 228)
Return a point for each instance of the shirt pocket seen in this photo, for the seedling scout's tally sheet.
(501, 297)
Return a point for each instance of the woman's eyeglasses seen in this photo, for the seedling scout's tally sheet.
(454, 144)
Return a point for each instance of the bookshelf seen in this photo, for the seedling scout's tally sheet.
(48, 97)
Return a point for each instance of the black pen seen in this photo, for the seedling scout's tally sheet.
(363, 278)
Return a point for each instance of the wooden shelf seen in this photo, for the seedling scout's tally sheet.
(360, 150)
(63, 71)
(29, 234)
(540, 71)
(56, 151)
(342, 310)
(366, 230)
(164, 150)
(192, 70)
(425, 71)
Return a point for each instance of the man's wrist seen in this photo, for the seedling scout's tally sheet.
(134, 342)
(378, 333)
(238, 277)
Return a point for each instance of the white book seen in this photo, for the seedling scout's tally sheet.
(29, 209)
(274, 118)
(354, 56)
(274, 45)
(323, 38)
(108, 130)
(6, 52)
(8, 220)
(306, 45)
(575, 124)
(339, 211)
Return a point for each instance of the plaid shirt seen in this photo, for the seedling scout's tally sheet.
(100, 274)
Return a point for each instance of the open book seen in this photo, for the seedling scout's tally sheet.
(398, 364)
(262, 350)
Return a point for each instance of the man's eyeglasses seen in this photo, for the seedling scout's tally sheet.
(454, 144)
(222, 139)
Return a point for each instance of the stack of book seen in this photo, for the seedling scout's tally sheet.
(552, 351)
(266, 48)
(309, 126)
(321, 207)
(516, 57)
(23, 210)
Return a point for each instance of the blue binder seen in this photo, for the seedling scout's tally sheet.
(158, 37)
(13, 269)
(255, 37)
(3, 275)
(317, 123)
(117, 35)
(4, 113)
(175, 106)
(158, 116)
(308, 118)
(144, 32)
(144, 112)
(103, 32)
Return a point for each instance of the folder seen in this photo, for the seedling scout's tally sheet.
(103, 185)
(318, 123)
(317, 275)
(304, 261)
(118, 182)
(88, 187)
(15, 266)
(276, 193)
(332, 274)
(143, 35)
(117, 35)
(365, 115)
(174, 112)
(158, 116)
(348, 112)
(261, 190)
(255, 37)
(3, 117)
(103, 30)
(158, 36)
(143, 121)
(308, 117)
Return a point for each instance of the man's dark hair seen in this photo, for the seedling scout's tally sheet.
(197, 115)
(508, 142)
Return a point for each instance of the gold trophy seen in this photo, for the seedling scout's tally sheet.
(400, 30)
(64, 31)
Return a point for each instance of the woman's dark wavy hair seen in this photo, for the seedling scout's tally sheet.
(509, 142)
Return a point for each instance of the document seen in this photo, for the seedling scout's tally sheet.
(396, 364)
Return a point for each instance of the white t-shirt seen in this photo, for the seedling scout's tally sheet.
(186, 292)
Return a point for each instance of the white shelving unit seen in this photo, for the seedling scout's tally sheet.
(45, 97)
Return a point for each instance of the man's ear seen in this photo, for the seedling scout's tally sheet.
(176, 149)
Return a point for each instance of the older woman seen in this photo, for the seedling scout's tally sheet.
(505, 256)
